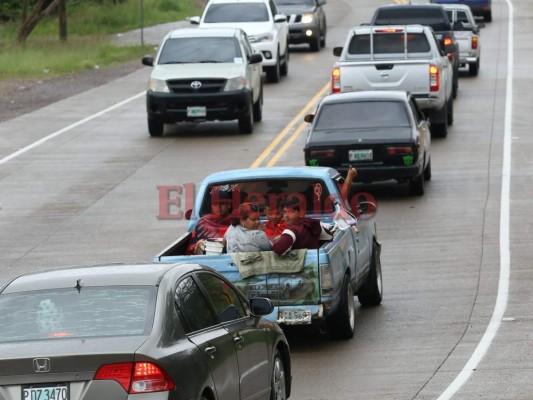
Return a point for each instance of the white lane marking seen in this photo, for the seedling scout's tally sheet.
(66, 129)
(503, 285)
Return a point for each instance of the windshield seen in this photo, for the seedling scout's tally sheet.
(236, 12)
(295, 2)
(67, 313)
(405, 15)
(387, 43)
(201, 50)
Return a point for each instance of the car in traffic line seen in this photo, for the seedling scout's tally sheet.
(156, 331)
(383, 134)
(266, 28)
(204, 75)
(468, 38)
(307, 21)
(481, 8)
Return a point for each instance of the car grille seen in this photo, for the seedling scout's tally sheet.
(207, 85)
(294, 18)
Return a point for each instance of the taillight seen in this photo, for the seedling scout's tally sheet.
(447, 41)
(139, 377)
(327, 153)
(399, 150)
(474, 42)
(433, 78)
(336, 80)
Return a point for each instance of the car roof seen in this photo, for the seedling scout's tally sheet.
(413, 28)
(246, 174)
(145, 274)
(236, 1)
(396, 95)
(204, 32)
(416, 5)
(456, 6)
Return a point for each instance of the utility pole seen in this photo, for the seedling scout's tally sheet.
(142, 22)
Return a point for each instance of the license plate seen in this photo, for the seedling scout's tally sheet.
(360, 155)
(58, 391)
(196, 112)
(294, 317)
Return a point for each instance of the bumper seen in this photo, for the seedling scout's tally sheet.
(426, 102)
(375, 173)
(269, 50)
(468, 59)
(172, 107)
(297, 33)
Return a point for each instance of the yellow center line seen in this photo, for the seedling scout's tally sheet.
(287, 129)
(286, 145)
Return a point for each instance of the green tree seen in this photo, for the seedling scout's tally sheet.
(30, 20)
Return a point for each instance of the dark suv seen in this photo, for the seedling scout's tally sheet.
(432, 15)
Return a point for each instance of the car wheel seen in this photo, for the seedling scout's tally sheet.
(273, 73)
(488, 16)
(155, 128)
(455, 81)
(441, 129)
(315, 44)
(449, 112)
(342, 323)
(246, 123)
(323, 36)
(284, 68)
(416, 185)
(278, 389)
(258, 107)
(371, 293)
(473, 69)
(427, 171)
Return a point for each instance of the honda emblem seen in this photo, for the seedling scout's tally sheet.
(41, 365)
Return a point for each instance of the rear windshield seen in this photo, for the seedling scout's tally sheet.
(201, 50)
(386, 43)
(67, 313)
(236, 12)
(362, 115)
(433, 17)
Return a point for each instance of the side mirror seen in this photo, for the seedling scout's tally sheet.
(365, 209)
(148, 61)
(309, 118)
(261, 306)
(480, 25)
(188, 214)
(255, 58)
(194, 20)
(280, 18)
(337, 51)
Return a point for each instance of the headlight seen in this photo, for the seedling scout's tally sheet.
(158, 85)
(307, 18)
(265, 37)
(238, 83)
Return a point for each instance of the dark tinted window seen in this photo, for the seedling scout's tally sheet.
(199, 49)
(385, 43)
(236, 12)
(227, 304)
(91, 312)
(193, 305)
(295, 2)
(405, 15)
(362, 115)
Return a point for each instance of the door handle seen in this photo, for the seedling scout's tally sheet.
(210, 351)
(238, 339)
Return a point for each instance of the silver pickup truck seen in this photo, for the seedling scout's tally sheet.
(406, 57)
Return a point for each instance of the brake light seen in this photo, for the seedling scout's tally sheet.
(388, 30)
(326, 153)
(474, 42)
(433, 78)
(399, 150)
(139, 377)
(448, 41)
(336, 80)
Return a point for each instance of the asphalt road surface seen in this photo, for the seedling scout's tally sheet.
(81, 179)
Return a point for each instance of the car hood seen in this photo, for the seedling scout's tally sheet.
(251, 28)
(193, 71)
(296, 9)
(354, 136)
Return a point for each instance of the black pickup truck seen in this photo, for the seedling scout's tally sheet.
(432, 15)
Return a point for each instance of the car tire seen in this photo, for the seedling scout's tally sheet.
(488, 16)
(284, 68)
(416, 185)
(273, 73)
(246, 122)
(323, 37)
(455, 83)
(449, 112)
(315, 44)
(155, 128)
(371, 293)
(278, 384)
(258, 107)
(342, 323)
(440, 130)
(427, 171)
(473, 69)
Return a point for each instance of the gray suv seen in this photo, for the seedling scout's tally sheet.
(307, 21)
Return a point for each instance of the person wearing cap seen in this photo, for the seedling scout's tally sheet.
(300, 232)
(244, 234)
(212, 226)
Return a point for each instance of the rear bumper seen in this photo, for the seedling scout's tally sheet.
(375, 173)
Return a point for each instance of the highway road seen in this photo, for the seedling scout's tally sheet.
(82, 182)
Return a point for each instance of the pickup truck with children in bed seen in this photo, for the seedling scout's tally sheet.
(307, 286)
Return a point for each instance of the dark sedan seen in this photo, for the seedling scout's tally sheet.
(381, 133)
(159, 331)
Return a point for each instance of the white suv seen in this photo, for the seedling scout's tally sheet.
(267, 30)
(204, 75)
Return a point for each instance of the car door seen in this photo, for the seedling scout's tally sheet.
(210, 337)
(248, 338)
(253, 71)
(281, 27)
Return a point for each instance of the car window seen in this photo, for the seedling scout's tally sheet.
(295, 2)
(89, 312)
(200, 50)
(273, 7)
(361, 115)
(193, 305)
(401, 15)
(236, 12)
(387, 43)
(226, 301)
(462, 16)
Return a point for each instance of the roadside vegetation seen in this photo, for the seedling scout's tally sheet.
(91, 26)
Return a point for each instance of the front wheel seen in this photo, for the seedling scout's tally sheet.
(246, 123)
(273, 73)
(258, 107)
(342, 323)
(278, 389)
(155, 128)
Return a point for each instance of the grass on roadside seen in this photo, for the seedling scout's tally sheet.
(90, 33)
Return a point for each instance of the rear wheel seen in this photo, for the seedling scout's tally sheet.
(342, 323)
(473, 69)
(278, 389)
(416, 185)
(455, 85)
(449, 112)
(427, 171)
(155, 128)
(488, 16)
(372, 292)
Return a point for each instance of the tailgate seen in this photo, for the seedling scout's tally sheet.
(463, 40)
(408, 75)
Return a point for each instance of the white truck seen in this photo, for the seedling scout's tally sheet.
(406, 57)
